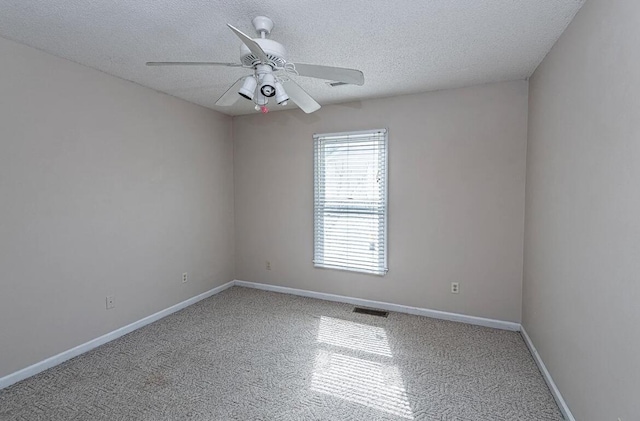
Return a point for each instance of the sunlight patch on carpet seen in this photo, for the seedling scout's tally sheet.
(368, 383)
(355, 336)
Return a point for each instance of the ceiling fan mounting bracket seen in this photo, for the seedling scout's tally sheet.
(263, 25)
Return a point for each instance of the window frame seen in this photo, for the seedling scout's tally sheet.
(384, 269)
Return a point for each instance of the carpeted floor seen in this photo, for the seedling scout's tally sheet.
(246, 354)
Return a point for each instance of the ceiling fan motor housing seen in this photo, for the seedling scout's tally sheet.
(276, 54)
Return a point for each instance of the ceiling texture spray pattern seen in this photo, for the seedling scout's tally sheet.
(402, 47)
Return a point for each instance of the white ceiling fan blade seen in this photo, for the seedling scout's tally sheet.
(300, 97)
(250, 43)
(338, 74)
(191, 63)
(231, 96)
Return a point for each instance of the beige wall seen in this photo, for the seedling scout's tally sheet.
(456, 198)
(582, 242)
(106, 188)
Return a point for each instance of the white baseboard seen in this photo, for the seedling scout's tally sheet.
(94, 343)
(564, 408)
(436, 314)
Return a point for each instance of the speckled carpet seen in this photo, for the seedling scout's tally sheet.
(246, 354)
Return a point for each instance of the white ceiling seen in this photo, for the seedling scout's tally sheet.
(402, 46)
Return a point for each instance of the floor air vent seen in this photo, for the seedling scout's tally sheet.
(371, 312)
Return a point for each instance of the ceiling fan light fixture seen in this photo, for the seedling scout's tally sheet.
(267, 87)
(281, 95)
(248, 88)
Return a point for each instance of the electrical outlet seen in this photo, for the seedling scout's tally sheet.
(185, 277)
(268, 265)
(455, 288)
(111, 301)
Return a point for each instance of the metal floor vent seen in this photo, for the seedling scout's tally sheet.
(370, 311)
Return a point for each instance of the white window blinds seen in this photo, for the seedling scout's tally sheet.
(350, 201)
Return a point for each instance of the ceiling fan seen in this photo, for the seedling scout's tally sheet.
(271, 71)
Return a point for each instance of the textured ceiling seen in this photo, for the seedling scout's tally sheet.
(401, 46)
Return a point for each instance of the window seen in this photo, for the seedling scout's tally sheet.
(350, 201)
